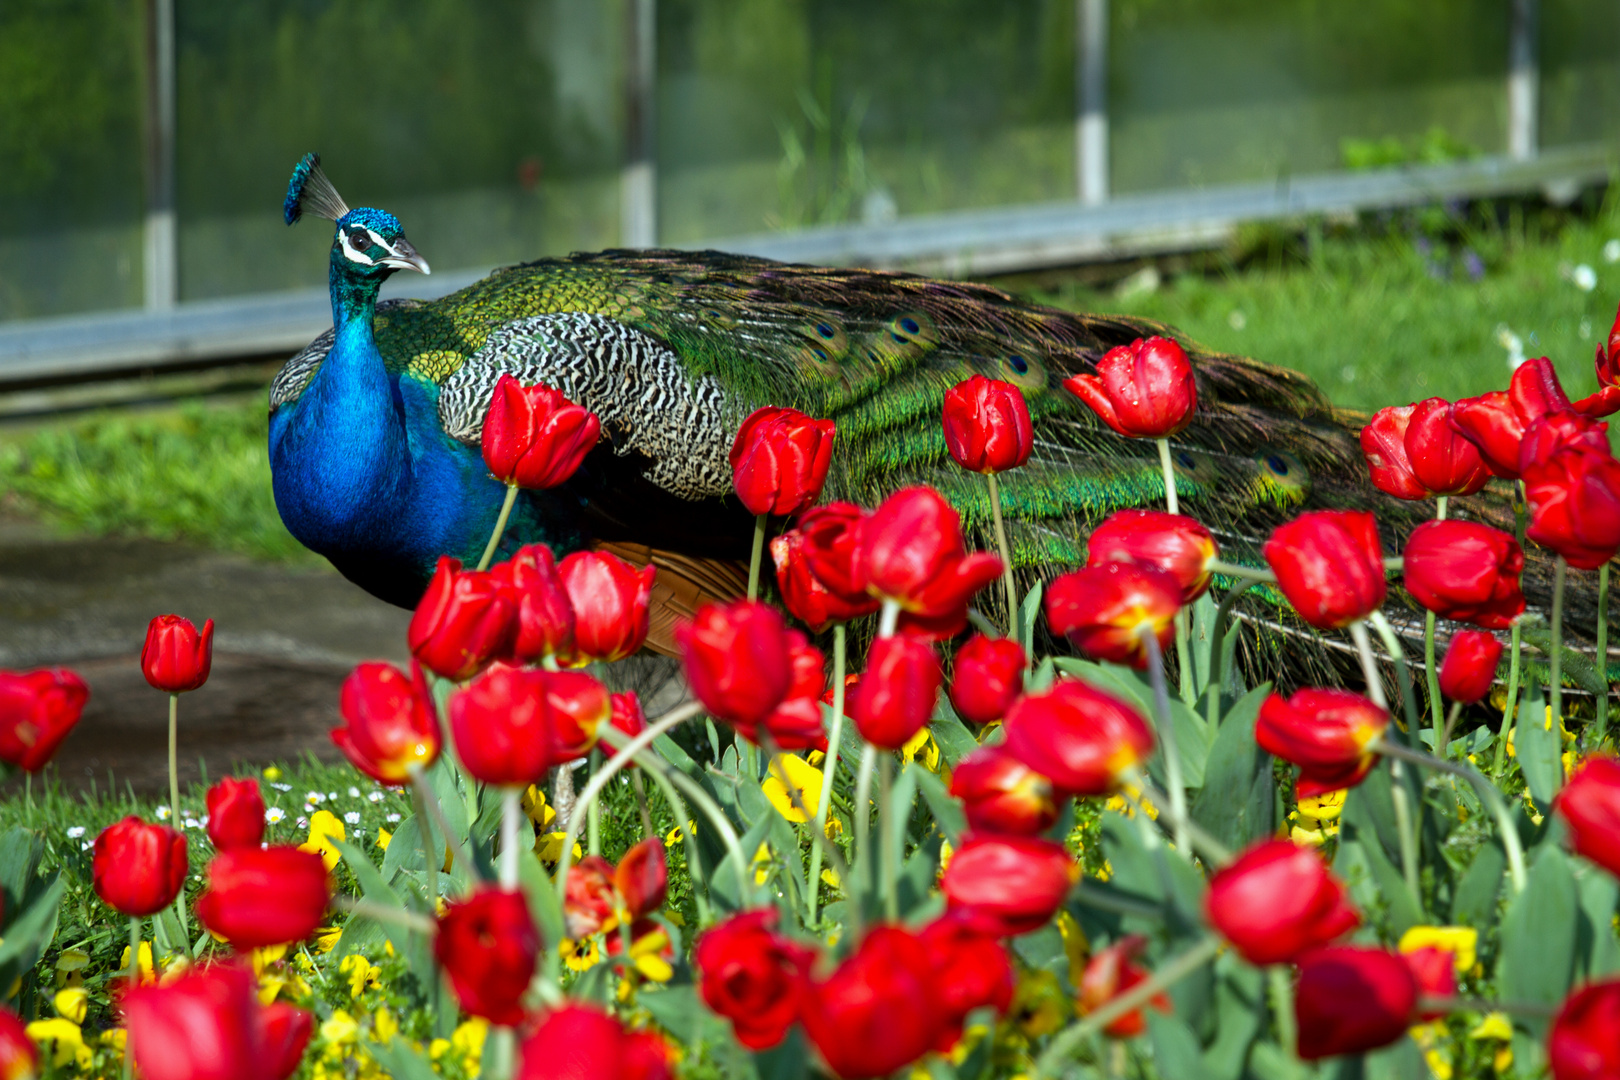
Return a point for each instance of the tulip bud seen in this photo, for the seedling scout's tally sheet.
(881, 1009)
(138, 868)
(264, 896)
(1442, 460)
(1574, 499)
(989, 677)
(391, 722)
(1383, 443)
(1469, 668)
(911, 552)
(1349, 1000)
(1000, 794)
(579, 706)
(487, 943)
(545, 617)
(1330, 566)
(176, 657)
(1489, 422)
(895, 697)
(465, 620)
(1144, 390)
(19, 1059)
(1111, 972)
(1109, 611)
(642, 878)
(972, 969)
(1535, 391)
(803, 594)
(590, 900)
(795, 724)
(576, 1041)
(1082, 738)
(533, 436)
(1277, 901)
(832, 548)
(1178, 545)
(987, 427)
(628, 715)
(610, 601)
(736, 660)
(1465, 571)
(1325, 732)
(780, 459)
(1016, 883)
(235, 814)
(1581, 1044)
(1435, 972)
(37, 710)
(1590, 806)
(502, 724)
(1545, 437)
(751, 975)
(208, 1025)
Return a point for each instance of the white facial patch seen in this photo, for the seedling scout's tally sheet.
(356, 254)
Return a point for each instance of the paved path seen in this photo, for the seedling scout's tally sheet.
(285, 637)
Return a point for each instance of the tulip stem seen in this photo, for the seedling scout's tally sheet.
(1444, 745)
(757, 555)
(1440, 504)
(1555, 661)
(174, 812)
(1397, 788)
(1281, 977)
(1169, 475)
(1167, 739)
(511, 814)
(1487, 795)
(1602, 703)
(888, 619)
(1006, 555)
(1166, 975)
(593, 813)
(886, 839)
(134, 983)
(1238, 570)
(1431, 672)
(500, 527)
(1510, 708)
(829, 772)
(424, 832)
(863, 833)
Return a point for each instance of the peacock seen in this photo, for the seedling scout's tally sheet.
(374, 426)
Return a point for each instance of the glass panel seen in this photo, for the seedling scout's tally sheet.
(70, 157)
(489, 129)
(1580, 71)
(1221, 91)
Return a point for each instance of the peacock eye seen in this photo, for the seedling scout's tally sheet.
(359, 239)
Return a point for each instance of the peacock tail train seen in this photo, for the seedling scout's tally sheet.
(672, 349)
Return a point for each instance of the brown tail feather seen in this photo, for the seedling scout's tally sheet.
(684, 584)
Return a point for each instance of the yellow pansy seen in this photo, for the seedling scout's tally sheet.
(383, 1026)
(1324, 807)
(263, 958)
(674, 835)
(1075, 945)
(62, 1040)
(1039, 1006)
(922, 744)
(147, 971)
(792, 778)
(1462, 942)
(834, 828)
(70, 967)
(362, 973)
(762, 864)
(340, 1028)
(72, 1004)
(384, 838)
(324, 827)
(1120, 804)
(548, 847)
(647, 953)
(1428, 1038)
(1307, 837)
(535, 805)
(468, 1041)
(1494, 1025)
(272, 773)
(581, 955)
(326, 938)
(829, 878)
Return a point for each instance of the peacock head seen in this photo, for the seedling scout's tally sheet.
(368, 243)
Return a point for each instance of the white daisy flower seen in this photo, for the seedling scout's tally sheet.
(392, 818)
(354, 792)
(375, 796)
(75, 831)
(274, 814)
(163, 813)
(352, 817)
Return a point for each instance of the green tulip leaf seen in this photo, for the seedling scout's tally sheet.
(1537, 958)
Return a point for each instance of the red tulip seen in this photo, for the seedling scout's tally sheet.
(1325, 732)
(1469, 668)
(465, 620)
(390, 722)
(1574, 499)
(545, 616)
(987, 427)
(264, 896)
(972, 969)
(832, 548)
(1330, 566)
(534, 437)
(750, 974)
(803, 594)
(1442, 460)
(37, 710)
(1552, 433)
(1016, 883)
(780, 459)
(911, 552)
(1084, 739)
(208, 1025)
(1109, 611)
(881, 1009)
(138, 868)
(511, 726)
(1490, 423)
(628, 715)
(1145, 389)
(577, 1041)
(580, 705)
(795, 724)
(19, 1060)
(1349, 1000)
(610, 601)
(1111, 972)
(895, 697)
(989, 677)
(487, 944)
(590, 900)
(1435, 971)
(642, 878)
(1590, 805)
(1000, 794)
(1465, 571)
(1178, 545)
(1383, 443)
(1607, 399)
(176, 657)
(1277, 901)
(736, 660)
(235, 814)
(1581, 1044)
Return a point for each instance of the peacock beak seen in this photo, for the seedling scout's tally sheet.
(402, 256)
